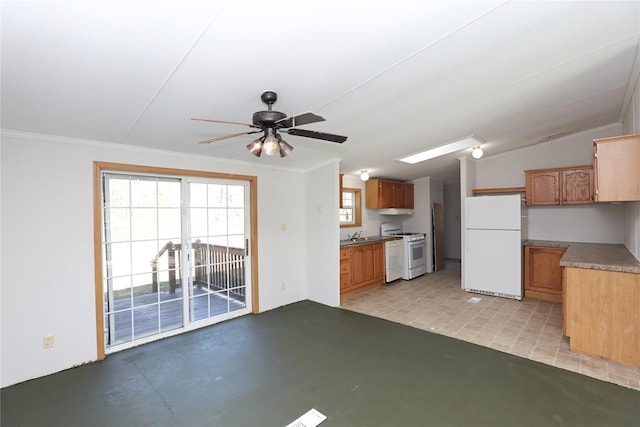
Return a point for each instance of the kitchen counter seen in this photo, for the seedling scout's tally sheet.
(594, 256)
(600, 292)
(368, 239)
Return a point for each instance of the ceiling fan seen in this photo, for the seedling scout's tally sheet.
(271, 123)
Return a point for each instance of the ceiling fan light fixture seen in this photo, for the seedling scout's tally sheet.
(477, 152)
(364, 175)
(270, 144)
(255, 147)
(269, 122)
(285, 148)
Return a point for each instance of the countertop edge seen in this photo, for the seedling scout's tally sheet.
(373, 239)
(594, 256)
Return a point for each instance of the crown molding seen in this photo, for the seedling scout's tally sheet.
(55, 139)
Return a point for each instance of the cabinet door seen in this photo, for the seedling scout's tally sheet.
(543, 274)
(385, 194)
(357, 265)
(408, 196)
(361, 264)
(368, 262)
(543, 187)
(577, 186)
(398, 195)
(378, 261)
(617, 168)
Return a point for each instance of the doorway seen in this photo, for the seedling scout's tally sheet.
(174, 253)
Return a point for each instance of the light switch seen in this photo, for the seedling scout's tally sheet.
(283, 226)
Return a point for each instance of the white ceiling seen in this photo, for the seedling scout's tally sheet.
(395, 77)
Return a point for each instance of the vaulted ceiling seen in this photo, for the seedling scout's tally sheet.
(395, 77)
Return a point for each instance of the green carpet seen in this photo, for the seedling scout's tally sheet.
(268, 369)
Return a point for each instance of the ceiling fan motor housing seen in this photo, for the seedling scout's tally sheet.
(267, 118)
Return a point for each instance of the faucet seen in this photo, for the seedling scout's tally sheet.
(355, 236)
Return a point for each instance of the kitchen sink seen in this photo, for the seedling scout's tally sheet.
(361, 240)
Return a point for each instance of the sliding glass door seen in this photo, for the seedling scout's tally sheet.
(155, 284)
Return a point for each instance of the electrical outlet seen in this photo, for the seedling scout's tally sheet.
(47, 341)
(283, 227)
(282, 286)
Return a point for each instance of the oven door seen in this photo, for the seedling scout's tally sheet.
(417, 254)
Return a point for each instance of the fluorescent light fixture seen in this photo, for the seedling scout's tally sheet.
(451, 147)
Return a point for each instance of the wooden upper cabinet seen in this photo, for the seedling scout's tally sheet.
(388, 194)
(385, 194)
(398, 195)
(408, 196)
(577, 186)
(543, 187)
(560, 186)
(616, 164)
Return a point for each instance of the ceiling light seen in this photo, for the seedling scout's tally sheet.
(477, 152)
(364, 175)
(270, 144)
(255, 147)
(451, 147)
(284, 146)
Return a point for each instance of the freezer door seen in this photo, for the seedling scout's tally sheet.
(493, 263)
(493, 212)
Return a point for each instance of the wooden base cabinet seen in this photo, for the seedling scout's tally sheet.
(601, 314)
(345, 269)
(542, 273)
(361, 268)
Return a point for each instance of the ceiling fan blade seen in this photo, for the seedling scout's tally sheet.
(299, 120)
(220, 138)
(227, 121)
(317, 135)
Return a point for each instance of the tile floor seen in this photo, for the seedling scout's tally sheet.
(528, 328)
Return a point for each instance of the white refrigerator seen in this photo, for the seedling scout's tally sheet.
(494, 229)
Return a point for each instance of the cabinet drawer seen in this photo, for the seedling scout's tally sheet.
(345, 267)
(345, 254)
(345, 281)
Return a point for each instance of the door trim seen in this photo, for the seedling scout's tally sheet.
(99, 167)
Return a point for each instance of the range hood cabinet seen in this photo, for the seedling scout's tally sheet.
(395, 211)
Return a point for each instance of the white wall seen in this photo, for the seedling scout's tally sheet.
(420, 220)
(452, 220)
(507, 169)
(47, 277)
(322, 235)
(631, 125)
(467, 184)
(426, 191)
(601, 223)
(370, 217)
(278, 264)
